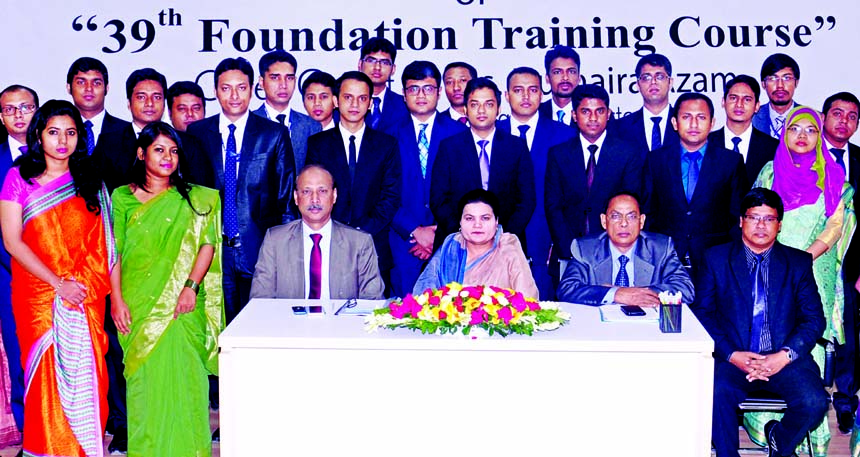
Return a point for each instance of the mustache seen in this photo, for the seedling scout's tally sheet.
(314, 206)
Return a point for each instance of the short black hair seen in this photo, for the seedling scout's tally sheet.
(479, 196)
(521, 71)
(690, 96)
(840, 96)
(353, 75)
(481, 83)
(237, 63)
(759, 196)
(85, 64)
(743, 79)
(778, 61)
(144, 74)
(559, 51)
(420, 69)
(319, 77)
(472, 71)
(655, 60)
(181, 88)
(622, 193)
(584, 91)
(17, 87)
(276, 56)
(378, 44)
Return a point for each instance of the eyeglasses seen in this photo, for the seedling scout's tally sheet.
(428, 90)
(373, 61)
(756, 219)
(648, 77)
(23, 108)
(772, 79)
(618, 217)
(797, 130)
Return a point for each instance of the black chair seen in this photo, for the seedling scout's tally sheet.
(763, 401)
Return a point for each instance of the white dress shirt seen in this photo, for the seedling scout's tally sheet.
(586, 143)
(568, 112)
(239, 134)
(455, 115)
(416, 124)
(330, 125)
(325, 250)
(15, 148)
(272, 114)
(488, 148)
(649, 124)
(530, 133)
(827, 146)
(744, 145)
(98, 120)
(358, 137)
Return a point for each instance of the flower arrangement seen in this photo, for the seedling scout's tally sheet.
(454, 308)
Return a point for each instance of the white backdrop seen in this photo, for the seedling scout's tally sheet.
(704, 41)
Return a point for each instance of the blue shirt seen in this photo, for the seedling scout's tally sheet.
(685, 164)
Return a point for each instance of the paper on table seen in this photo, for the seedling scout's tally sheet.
(362, 308)
(613, 313)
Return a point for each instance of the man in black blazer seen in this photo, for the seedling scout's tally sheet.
(572, 205)
(376, 61)
(483, 157)
(365, 164)
(87, 83)
(841, 113)
(262, 160)
(649, 127)
(562, 75)
(759, 302)
(740, 102)
(456, 76)
(692, 187)
(523, 95)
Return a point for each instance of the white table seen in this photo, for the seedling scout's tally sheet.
(321, 385)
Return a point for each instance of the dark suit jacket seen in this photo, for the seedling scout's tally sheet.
(371, 202)
(393, 112)
(724, 302)
(265, 181)
(110, 125)
(545, 112)
(714, 210)
(632, 127)
(457, 171)
(761, 151)
(567, 201)
(761, 119)
(588, 276)
(116, 153)
(5, 259)
(301, 127)
(851, 264)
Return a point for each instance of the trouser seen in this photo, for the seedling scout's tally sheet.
(13, 354)
(117, 415)
(236, 282)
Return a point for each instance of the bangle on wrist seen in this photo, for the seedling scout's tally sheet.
(59, 284)
(191, 284)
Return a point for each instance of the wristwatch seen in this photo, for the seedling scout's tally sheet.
(191, 284)
(788, 354)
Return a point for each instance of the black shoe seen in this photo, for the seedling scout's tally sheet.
(216, 435)
(119, 443)
(845, 420)
(772, 451)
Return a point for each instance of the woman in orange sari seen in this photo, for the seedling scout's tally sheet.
(55, 217)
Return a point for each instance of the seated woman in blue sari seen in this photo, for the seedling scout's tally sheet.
(479, 254)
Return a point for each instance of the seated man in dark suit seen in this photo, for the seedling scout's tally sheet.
(623, 265)
(364, 162)
(319, 99)
(185, 104)
(377, 62)
(278, 80)
(483, 157)
(758, 300)
(456, 76)
(418, 137)
(584, 171)
(740, 102)
(562, 75)
(540, 133)
(649, 127)
(87, 83)
(780, 75)
(316, 257)
(693, 187)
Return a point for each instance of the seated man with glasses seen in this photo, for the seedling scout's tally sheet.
(624, 264)
(387, 109)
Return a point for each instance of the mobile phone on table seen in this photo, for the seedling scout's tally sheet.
(632, 310)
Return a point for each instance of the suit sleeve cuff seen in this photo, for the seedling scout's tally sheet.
(610, 296)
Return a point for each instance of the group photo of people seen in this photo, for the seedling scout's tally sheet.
(130, 244)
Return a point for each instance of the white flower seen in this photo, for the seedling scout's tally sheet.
(547, 326)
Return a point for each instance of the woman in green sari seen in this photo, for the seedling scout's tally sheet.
(819, 218)
(169, 310)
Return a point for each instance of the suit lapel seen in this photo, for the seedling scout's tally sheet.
(339, 261)
(741, 272)
(215, 149)
(776, 277)
(295, 255)
(706, 173)
(643, 269)
(673, 166)
(603, 262)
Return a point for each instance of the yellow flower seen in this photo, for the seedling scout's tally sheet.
(430, 314)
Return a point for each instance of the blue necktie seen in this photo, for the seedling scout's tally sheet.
(375, 115)
(353, 158)
(484, 164)
(523, 129)
(231, 220)
(839, 155)
(622, 280)
(656, 137)
(423, 149)
(560, 115)
(91, 139)
(692, 173)
(23, 149)
(736, 141)
(759, 305)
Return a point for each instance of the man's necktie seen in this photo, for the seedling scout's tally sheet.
(759, 305)
(23, 149)
(375, 115)
(91, 139)
(656, 137)
(423, 149)
(692, 173)
(736, 141)
(484, 162)
(560, 115)
(776, 128)
(315, 268)
(463, 120)
(523, 129)
(231, 220)
(592, 164)
(353, 158)
(621, 280)
(282, 118)
(839, 155)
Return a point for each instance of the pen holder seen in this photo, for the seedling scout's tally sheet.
(670, 318)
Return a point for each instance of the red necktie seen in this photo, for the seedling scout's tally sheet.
(316, 267)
